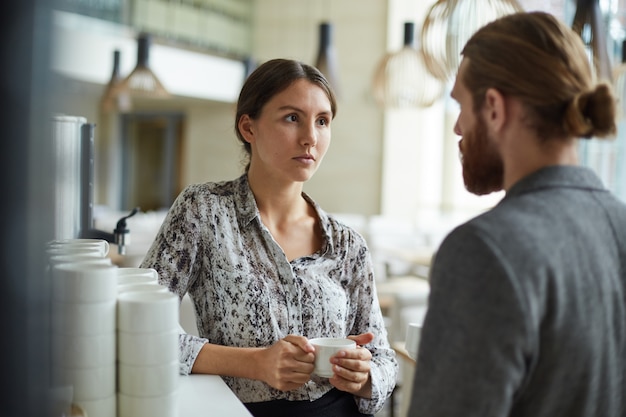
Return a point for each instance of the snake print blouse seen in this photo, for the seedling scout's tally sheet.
(213, 245)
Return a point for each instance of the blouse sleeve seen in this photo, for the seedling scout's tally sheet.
(174, 254)
(384, 365)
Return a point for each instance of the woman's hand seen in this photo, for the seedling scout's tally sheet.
(288, 363)
(351, 368)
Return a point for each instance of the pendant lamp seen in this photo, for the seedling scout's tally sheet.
(142, 82)
(402, 80)
(589, 24)
(326, 60)
(448, 26)
(114, 99)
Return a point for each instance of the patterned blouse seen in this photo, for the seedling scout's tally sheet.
(246, 293)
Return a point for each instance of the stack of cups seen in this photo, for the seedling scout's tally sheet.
(147, 346)
(83, 333)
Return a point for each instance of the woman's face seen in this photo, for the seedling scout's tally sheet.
(291, 135)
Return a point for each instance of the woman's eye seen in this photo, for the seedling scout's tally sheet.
(323, 121)
(292, 118)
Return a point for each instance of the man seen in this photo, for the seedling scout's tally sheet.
(527, 312)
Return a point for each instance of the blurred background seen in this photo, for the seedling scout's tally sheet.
(159, 80)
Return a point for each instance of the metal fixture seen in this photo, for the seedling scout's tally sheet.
(402, 80)
(121, 234)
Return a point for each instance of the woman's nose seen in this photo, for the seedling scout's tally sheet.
(309, 135)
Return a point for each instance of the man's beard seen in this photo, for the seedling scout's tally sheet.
(483, 171)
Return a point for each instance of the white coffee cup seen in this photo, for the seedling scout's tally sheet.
(148, 380)
(159, 406)
(413, 332)
(102, 407)
(78, 351)
(326, 348)
(83, 318)
(88, 383)
(84, 282)
(147, 348)
(147, 311)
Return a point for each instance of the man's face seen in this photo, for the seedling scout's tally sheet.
(483, 170)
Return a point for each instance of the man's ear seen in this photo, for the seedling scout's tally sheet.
(494, 110)
(245, 128)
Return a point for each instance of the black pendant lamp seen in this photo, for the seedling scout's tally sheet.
(113, 98)
(326, 60)
(589, 24)
(142, 81)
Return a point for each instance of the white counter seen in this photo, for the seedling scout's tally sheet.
(208, 396)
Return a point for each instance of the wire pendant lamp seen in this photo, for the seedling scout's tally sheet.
(448, 26)
(142, 82)
(326, 60)
(402, 80)
(589, 24)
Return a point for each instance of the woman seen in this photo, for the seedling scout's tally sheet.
(267, 269)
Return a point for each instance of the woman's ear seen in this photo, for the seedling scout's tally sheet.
(245, 126)
(495, 110)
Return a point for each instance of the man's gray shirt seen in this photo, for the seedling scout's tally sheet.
(527, 312)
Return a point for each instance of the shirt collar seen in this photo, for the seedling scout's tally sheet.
(558, 176)
(248, 210)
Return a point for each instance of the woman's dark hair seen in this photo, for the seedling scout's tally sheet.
(271, 78)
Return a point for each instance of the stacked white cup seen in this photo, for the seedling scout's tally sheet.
(147, 352)
(83, 331)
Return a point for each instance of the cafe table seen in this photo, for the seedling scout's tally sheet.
(208, 396)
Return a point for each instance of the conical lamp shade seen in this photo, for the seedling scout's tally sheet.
(326, 60)
(142, 82)
(402, 80)
(588, 23)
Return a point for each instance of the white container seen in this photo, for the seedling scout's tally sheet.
(126, 274)
(78, 351)
(103, 407)
(141, 286)
(147, 348)
(413, 334)
(89, 257)
(101, 246)
(148, 380)
(66, 158)
(84, 319)
(135, 279)
(161, 406)
(147, 312)
(84, 283)
(88, 383)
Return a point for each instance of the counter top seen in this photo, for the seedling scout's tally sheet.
(208, 396)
